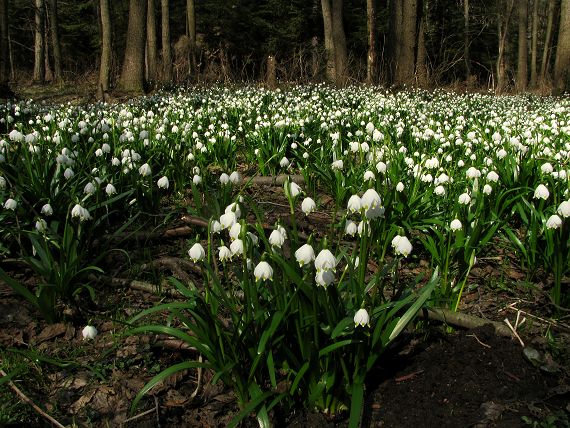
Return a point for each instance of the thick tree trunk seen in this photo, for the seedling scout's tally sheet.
(151, 42)
(534, 45)
(39, 62)
(405, 62)
(466, 53)
(339, 43)
(166, 52)
(395, 37)
(522, 63)
(132, 73)
(562, 61)
(421, 60)
(547, 38)
(105, 65)
(55, 43)
(371, 59)
(329, 44)
(191, 33)
(4, 51)
(503, 19)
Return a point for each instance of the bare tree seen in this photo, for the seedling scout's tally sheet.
(339, 43)
(534, 45)
(562, 62)
(191, 33)
(166, 51)
(503, 19)
(106, 52)
(466, 42)
(371, 59)
(522, 63)
(547, 39)
(55, 43)
(421, 58)
(329, 44)
(132, 73)
(405, 39)
(4, 50)
(151, 42)
(39, 60)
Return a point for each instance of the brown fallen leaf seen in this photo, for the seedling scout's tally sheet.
(50, 332)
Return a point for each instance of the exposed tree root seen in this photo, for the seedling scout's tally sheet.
(459, 319)
(176, 265)
(274, 180)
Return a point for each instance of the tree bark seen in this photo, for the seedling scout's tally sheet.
(534, 45)
(544, 65)
(105, 65)
(132, 73)
(339, 43)
(522, 64)
(562, 61)
(421, 60)
(466, 53)
(39, 61)
(55, 41)
(151, 43)
(4, 51)
(503, 19)
(329, 44)
(191, 25)
(371, 59)
(395, 37)
(405, 61)
(166, 51)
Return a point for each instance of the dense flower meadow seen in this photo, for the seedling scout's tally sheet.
(406, 176)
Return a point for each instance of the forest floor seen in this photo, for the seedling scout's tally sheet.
(437, 376)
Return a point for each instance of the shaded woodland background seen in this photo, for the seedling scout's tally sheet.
(138, 45)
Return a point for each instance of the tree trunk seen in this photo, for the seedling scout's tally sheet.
(271, 75)
(151, 43)
(39, 62)
(562, 61)
(132, 73)
(329, 45)
(371, 59)
(105, 65)
(534, 44)
(55, 43)
(421, 60)
(405, 63)
(503, 18)
(522, 64)
(339, 43)
(548, 35)
(166, 53)
(4, 51)
(191, 25)
(466, 56)
(395, 37)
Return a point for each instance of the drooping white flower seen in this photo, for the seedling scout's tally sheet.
(82, 213)
(235, 177)
(196, 179)
(68, 173)
(381, 167)
(361, 318)
(325, 261)
(337, 165)
(564, 209)
(224, 253)
(228, 219)
(464, 199)
(370, 199)
(473, 172)
(308, 205)
(110, 189)
(369, 176)
(89, 188)
(401, 245)
(236, 247)
(455, 225)
(305, 254)
(541, 192)
(41, 225)
(487, 189)
(354, 204)
(263, 271)
(350, 228)
(10, 204)
(163, 182)
(439, 190)
(400, 187)
(2, 182)
(284, 162)
(324, 277)
(235, 230)
(276, 238)
(144, 170)
(47, 209)
(89, 332)
(553, 222)
(224, 178)
(492, 176)
(233, 207)
(292, 189)
(215, 226)
(546, 168)
(197, 252)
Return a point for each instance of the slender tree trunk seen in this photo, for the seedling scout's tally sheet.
(547, 36)
(55, 43)
(421, 60)
(105, 65)
(562, 61)
(39, 62)
(166, 53)
(395, 37)
(329, 44)
(191, 25)
(405, 68)
(522, 63)
(132, 73)
(534, 45)
(466, 53)
(371, 59)
(48, 75)
(4, 51)
(503, 19)
(339, 42)
(151, 42)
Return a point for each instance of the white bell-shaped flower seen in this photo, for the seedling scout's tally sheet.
(325, 260)
(197, 252)
(263, 271)
(308, 206)
(354, 204)
(564, 209)
(553, 222)
(224, 253)
(305, 254)
(361, 318)
(541, 192)
(89, 332)
(237, 247)
(455, 225)
(276, 238)
(324, 277)
(163, 182)
(370, 199)
(402, 245)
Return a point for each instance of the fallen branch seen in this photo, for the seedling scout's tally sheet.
(459, 319)
(27, 400)
(274, 180)
(175, 265)
(135, 285)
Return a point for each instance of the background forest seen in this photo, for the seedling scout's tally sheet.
(135, 45)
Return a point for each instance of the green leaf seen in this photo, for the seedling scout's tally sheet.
(356, 404)
(341, 328)
(267, 334)
(19, 288)
(298, 378)
(328, 349)
(251, 406)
